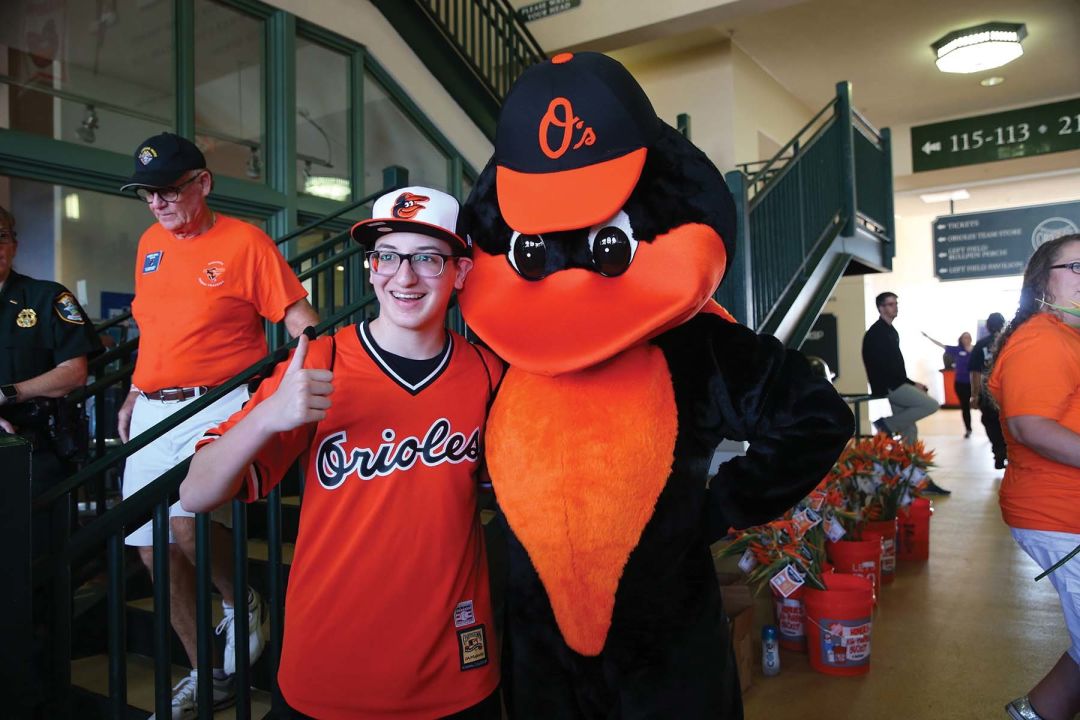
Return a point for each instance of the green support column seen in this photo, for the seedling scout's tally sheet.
(740, 268)
(280, 142)
(184, 71)
(846, 127)
(889, 250)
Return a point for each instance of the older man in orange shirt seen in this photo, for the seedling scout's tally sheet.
(203, 285)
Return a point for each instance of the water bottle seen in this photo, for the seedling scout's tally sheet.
(770, 651)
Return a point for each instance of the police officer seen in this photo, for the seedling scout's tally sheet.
(45, 338)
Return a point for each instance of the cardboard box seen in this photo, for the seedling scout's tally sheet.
(739, 608)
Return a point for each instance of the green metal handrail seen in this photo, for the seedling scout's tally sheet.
(794, 204)
(489, 36)
(108, 530)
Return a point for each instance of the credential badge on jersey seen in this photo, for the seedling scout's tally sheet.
(472, 648)
(464, 615)
(151, 262)
(68, 309)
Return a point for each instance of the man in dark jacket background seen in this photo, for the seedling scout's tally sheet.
(888, 377)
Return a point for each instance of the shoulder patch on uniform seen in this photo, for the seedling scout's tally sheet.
(68, 309)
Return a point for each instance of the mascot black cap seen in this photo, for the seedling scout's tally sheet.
(587, 128)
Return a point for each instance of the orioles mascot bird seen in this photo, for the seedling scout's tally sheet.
(600, 235)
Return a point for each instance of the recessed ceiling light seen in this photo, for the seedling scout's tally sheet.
(978, 48)
(960, 194)
(992, 81)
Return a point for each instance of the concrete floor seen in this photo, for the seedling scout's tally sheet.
(956, 637)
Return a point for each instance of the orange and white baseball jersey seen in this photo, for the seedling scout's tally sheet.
(200, 303)
(388, 610)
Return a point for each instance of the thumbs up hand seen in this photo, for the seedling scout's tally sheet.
(302, 397)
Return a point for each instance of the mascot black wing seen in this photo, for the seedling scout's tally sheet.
(600, 235)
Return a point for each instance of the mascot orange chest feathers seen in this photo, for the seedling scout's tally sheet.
(599, 237)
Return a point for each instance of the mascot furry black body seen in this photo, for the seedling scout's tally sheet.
(600, 234)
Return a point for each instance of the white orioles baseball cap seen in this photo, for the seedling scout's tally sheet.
(413, 209)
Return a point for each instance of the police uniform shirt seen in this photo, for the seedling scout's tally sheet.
(41, 326)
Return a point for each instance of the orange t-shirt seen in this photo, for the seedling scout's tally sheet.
(1038, 373)
(388, 610)
(200, 303)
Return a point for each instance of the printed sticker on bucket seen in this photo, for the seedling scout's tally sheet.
(845, 643)
(789, 619)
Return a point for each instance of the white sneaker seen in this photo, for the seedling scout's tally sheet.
(185, 696)
(256, 633)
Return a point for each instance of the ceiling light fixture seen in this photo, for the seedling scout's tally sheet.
(992, 81)
(978, 48)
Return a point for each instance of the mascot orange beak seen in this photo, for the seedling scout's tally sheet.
(576, 318)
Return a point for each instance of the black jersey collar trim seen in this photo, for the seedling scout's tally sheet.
(372, 349)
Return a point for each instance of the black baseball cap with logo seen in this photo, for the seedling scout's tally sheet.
(571, 142)
(162, 159)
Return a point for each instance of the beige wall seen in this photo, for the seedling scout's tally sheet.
(731, 100)
(762, 106)
(607, 25)
(697, 81)
(362, 22)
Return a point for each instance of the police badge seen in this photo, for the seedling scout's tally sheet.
(27, 318)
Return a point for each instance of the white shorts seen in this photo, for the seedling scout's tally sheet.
(1046, 548)
(170, 449)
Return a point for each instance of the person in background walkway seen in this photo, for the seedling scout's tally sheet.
(204, 283)
(961, 384)
(981, 357)
(1035, 379)
(888, 378)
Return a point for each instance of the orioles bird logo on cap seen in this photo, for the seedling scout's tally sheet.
(407, 205)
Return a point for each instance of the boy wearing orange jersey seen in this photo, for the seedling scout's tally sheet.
(388, 606)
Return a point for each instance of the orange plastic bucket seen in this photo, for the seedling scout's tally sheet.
(913, 539)
(789, 620)
(887, 530)
(838, 623)
(858, 557)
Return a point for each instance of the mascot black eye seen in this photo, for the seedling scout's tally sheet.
(528, 255)
(613, 246)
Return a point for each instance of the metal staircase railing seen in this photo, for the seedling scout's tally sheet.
(833, 179)
(55, 574)
(491, 38)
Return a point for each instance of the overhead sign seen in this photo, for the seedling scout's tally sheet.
(542, 9)
(1037, 130)
(993, 244)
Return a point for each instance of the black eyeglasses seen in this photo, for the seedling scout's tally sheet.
(169, 194)
(7, 236)
(424, 264)
(1074, 266)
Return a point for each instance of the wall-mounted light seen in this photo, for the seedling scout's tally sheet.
(947, 196)
(86, 130)
(253, 168)
(71, 206)
(981, 47)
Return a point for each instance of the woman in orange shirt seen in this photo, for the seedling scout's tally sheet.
(1036, 381)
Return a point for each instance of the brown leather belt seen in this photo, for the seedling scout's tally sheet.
(177, 394)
